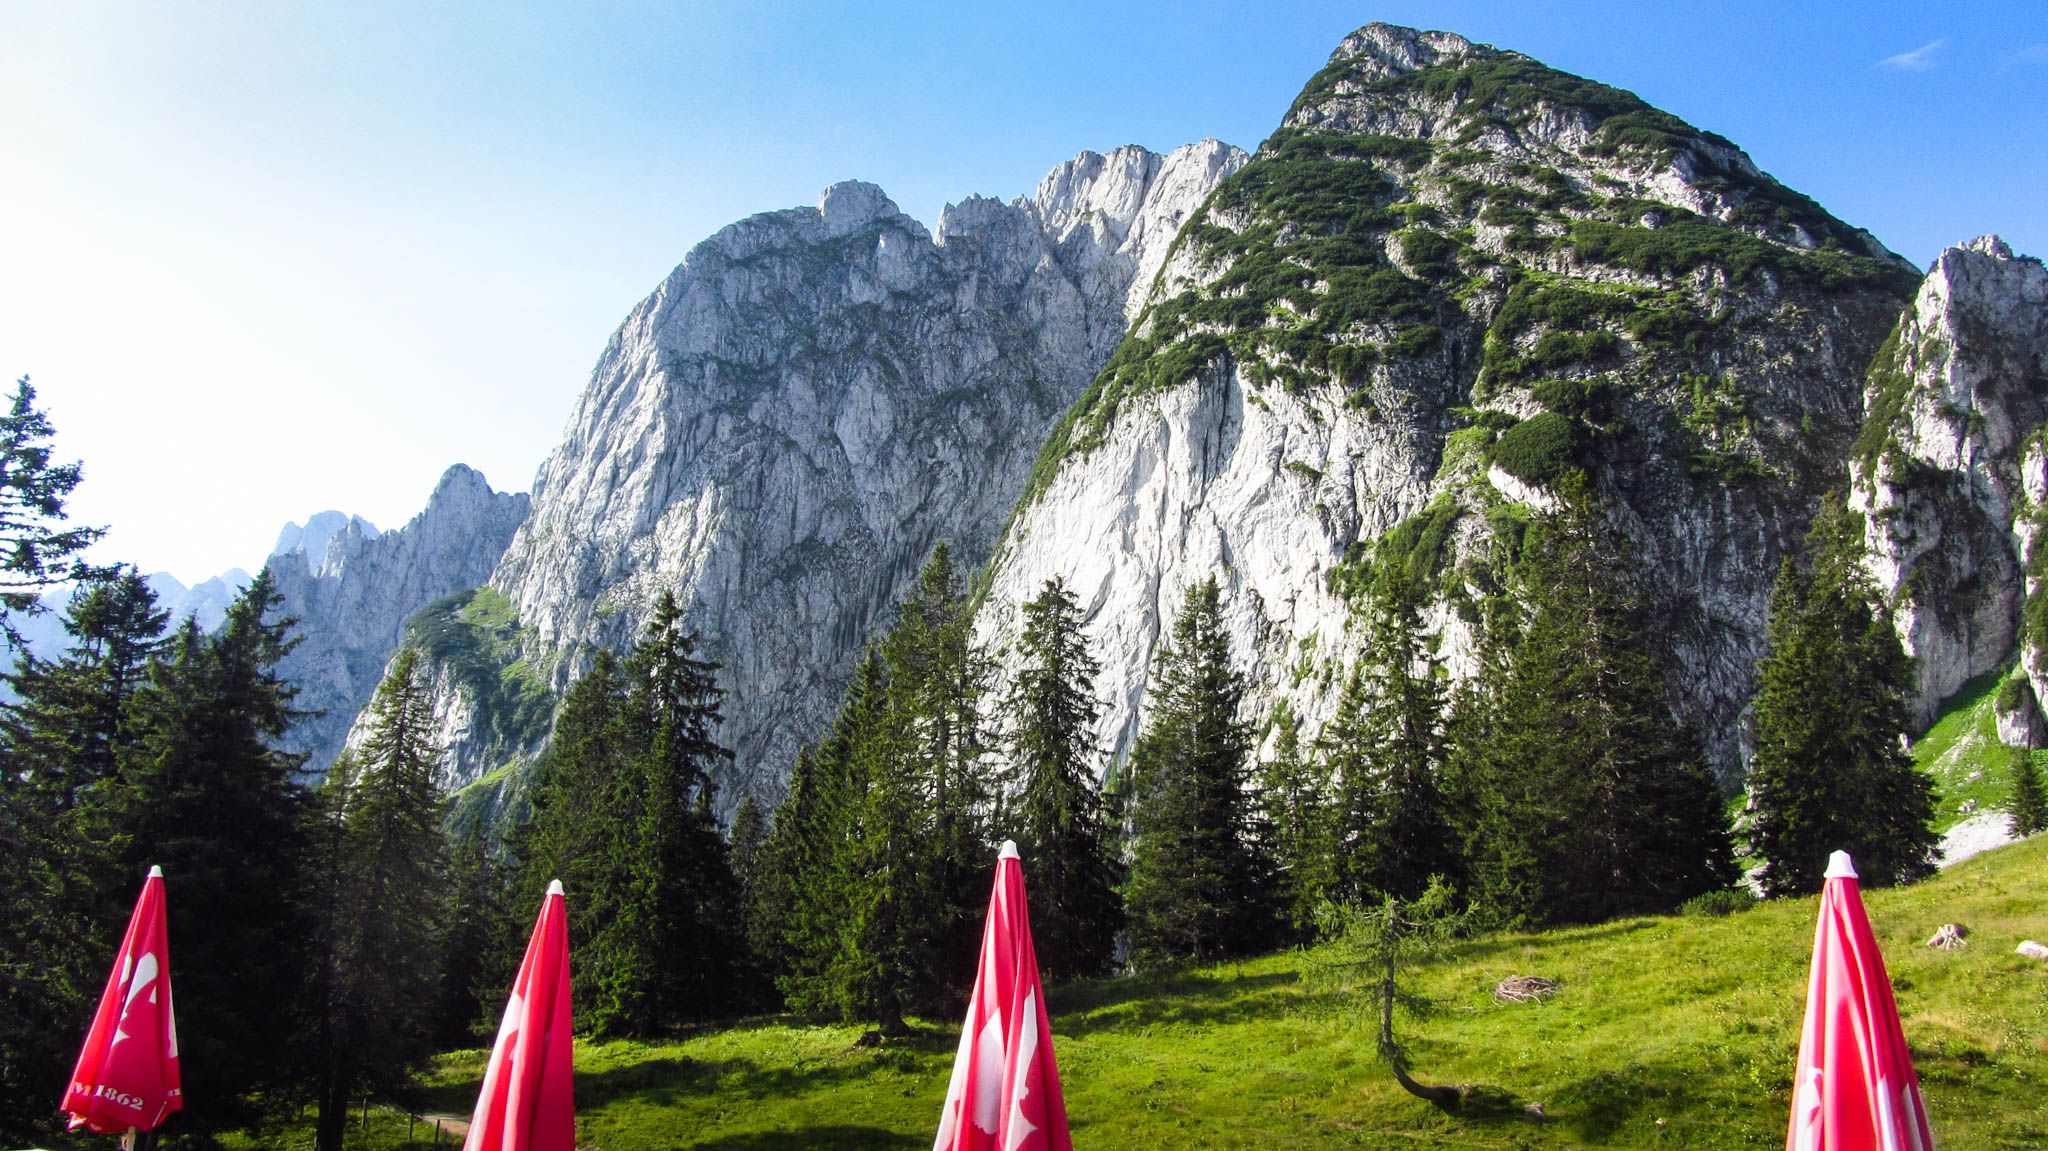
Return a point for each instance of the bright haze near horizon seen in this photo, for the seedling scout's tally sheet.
(261, 261)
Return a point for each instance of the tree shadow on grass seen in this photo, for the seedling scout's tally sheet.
(828, 1137)
(1192, 998)
(1491, 946)
(1601, 1103)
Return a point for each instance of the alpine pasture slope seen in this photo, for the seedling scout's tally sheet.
(1676, 1031)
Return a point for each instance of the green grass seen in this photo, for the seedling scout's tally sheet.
(1962, 752)
(1668, 1032)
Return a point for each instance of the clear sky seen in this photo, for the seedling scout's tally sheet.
(262, 260)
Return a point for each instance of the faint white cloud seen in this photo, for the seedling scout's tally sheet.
(1918, 60)
(2034, 54)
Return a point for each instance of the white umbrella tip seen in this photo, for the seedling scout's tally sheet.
(1009, 850)
(155, 872)
(554, 887)
(1839, 866)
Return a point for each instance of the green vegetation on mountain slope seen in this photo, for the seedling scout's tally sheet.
(1501, 252)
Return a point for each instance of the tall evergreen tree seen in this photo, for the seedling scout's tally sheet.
(937, 677)
(206, 792)
(565, 838)
(59, 741)
(472, 915)
(1201, 883)
(1294, 788)
(623, 816)
(38, 549)
(1831, 771)
(1388, 750)
(676, 939)
(787, 856)
(875, 864)
(385, 881)
(1075, 910)
(2027, 804)
(748, 842)
(1599, 802)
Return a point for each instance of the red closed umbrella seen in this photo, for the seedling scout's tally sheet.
(528, 1101)
(1005, 1091)
(1856, 1089)
(127, 1073)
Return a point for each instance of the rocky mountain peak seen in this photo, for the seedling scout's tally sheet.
(851, 205)
(1990, 246)
(1444, 257)
(354, 598)
(1950, 467)
(1382, 51)
(802, 409)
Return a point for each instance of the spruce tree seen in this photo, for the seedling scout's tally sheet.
(2027, 805)
(205, 791)
(1386, 749)
(1201, 884)
(1600, 802)
(813, 849)
(675, 938)
(574, 834)
(1294, 788)
(469, 987)
(1831, 772)
(880, 868)
(59, 741)
(384, 877)
(937, 677)
(748, 844)
(1075, 910)
(38, 549)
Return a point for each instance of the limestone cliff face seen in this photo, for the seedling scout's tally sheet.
(1444, 250)
(353, 603)
(1950, 468)
(810, 402)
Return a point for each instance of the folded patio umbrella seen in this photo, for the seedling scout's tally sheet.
(527, 1102)
(127, 1073)
(1005, 1091)
(1856, 1089)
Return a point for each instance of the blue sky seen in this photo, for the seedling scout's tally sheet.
(263, 260)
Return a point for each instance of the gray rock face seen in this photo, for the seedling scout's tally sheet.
(1945, 473)
(809, 403)
(353, 603)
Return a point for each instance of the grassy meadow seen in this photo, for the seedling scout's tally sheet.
(1667, 1032)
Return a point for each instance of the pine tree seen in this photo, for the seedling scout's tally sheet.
(1075, 910)
(789, 924)
(205, 792)
(1295, 790)
(1831, 772)
(675, 939)
(1200, 885)
(937, 678)
(1386, 748)
(471, 917)
(1600, 804)
(748, 844)
(2027, 804)
(38, 549)
(573, 834)
(385, 877)
(59, 741)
